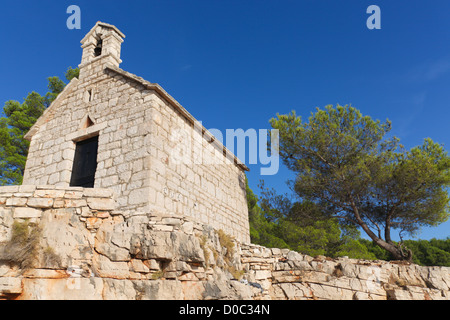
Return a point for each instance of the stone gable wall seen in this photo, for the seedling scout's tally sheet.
(99, 252)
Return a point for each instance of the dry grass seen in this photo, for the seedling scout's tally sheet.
(227, 242)
(22, 249)
(50, 258)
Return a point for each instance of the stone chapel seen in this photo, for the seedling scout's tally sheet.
(112, 129)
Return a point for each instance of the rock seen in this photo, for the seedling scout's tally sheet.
(62, 289)
(361, 296)
(105, 268)
(295, 256)
(10, 285)
(158, 290)
(66, 237)
(276, 251)
(152, 264)
(118, 289)
(188, 227)
(263, 274)
(93, 223)
(188, 277)
(296, 291)
(192, 290)
(105, 245)
(216, 290)
(88, 253)
(138, 266)
(187, 247)
(241, 291)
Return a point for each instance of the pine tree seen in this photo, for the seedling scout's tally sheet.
(345, 165)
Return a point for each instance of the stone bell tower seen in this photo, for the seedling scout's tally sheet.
(101, 44)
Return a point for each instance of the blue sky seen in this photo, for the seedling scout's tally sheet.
(235, 64)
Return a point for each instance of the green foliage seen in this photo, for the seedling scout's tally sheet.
(317, 238)
(345, 166)
(72, 73)
(375, 250)
(262, 231)
(282, 224)
(18, 119)
(328, 237)
(354, 249)
(434, 252)
(427, 254)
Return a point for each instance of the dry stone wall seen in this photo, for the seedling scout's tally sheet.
(293, 276)
(87, 249)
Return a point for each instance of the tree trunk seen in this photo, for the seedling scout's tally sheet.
(388, 245)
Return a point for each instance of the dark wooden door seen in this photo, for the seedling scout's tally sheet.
(84, 163)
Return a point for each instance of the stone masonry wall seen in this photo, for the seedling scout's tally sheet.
(192, 177)
(90, 250)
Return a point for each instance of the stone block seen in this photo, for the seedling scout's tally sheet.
(138, 196)
(171, 221)
(105, 268)
(27, 188)
(19, 202)
(101, 203)
(162, 227)
(58, 203)
(40, 202)
(138, 266)
(188, 227)
(263, 274)
(276, 251)
(152, 264)
(9, 189)
(49, 193)
(71, 194)
(75, 203)
(97, 193)
(26, 213)
(292, 255)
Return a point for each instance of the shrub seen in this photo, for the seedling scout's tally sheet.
(22, 248)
